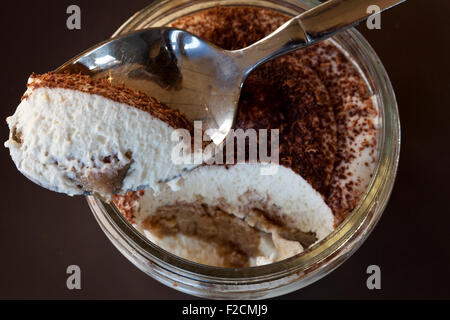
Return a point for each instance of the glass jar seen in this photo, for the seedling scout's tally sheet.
(297, 272)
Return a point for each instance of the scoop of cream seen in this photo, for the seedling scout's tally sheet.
(82, 137)
(279, 207)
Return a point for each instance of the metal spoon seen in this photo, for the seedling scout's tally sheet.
(200, 79)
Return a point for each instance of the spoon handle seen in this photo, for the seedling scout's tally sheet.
(312, 26)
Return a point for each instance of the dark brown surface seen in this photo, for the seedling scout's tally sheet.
(42, 233)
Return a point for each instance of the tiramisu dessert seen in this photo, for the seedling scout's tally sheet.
(232, 216)
(75, 135)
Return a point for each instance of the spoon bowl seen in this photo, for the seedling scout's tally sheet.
(174, 66)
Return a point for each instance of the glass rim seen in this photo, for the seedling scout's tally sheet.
(323, 257)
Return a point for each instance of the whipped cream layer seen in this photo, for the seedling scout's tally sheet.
(77, 139)
(276, 211)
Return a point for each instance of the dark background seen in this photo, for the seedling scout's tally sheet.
(42, 233)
